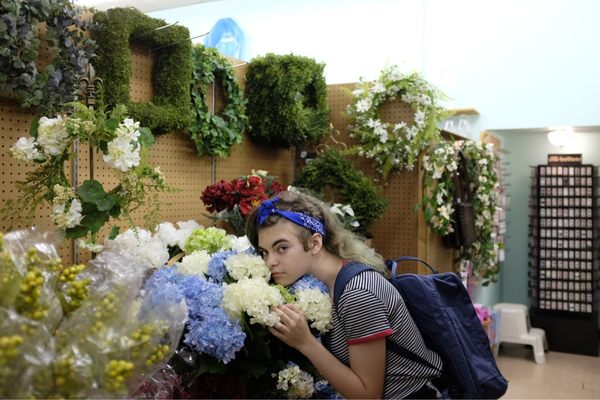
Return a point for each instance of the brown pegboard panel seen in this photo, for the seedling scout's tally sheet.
(142, 62)
(14, 123)
(248, 156)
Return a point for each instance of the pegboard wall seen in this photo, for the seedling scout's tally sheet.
(401, 230)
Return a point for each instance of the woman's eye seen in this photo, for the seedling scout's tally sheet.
(281, 249)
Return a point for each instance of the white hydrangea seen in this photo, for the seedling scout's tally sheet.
(52, 135)
(195, 263)
(25, 150)
(124, 150)
(297, 384)
(140, 243)
(240, 243)
(130, 239)
(244, 265)
(69, 218)
(153, 252)
(167, 233)
(122, 154)
(255, 297)
(316, 306)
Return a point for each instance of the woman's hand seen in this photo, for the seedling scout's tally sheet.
(292, 328)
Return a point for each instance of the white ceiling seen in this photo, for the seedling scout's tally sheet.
(142, 5)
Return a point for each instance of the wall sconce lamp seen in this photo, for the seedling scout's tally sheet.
(560, 136)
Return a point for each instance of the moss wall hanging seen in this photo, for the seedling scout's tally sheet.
(216, 134)
(286, 100)
(331, 171)
(171, 76)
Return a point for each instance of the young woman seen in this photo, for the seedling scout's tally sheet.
(298, 235)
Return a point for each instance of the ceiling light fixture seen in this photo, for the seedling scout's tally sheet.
(560, 137)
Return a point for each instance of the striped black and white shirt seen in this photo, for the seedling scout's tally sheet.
(371, 308)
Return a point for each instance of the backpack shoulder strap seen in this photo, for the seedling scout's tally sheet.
(350, 271)
(347, 272)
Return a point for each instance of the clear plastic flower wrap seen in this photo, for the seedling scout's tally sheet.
(82, 330)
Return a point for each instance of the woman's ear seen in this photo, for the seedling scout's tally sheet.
(316, 243)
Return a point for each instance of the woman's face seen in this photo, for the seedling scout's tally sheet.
(283, 252)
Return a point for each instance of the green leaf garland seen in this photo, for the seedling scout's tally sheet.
(216, 134)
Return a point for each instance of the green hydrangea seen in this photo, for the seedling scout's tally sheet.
(210, 239)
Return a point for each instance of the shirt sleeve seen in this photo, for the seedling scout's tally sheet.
(363, 316)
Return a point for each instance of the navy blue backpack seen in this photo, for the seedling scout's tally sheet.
(442, 310)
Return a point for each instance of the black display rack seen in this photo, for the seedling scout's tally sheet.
(564, 255)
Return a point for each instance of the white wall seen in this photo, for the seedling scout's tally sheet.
(521, 63)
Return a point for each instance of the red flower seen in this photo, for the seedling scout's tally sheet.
(248, 204)
(275, 187)
(247, 192)
(219, 196)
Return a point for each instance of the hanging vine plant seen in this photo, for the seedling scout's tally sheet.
(171, 75)
(331, 171)
(215, 134)
(68, 44)
(286, 100)
(440, 164)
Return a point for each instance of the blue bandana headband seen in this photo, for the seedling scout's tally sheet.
(309, 222)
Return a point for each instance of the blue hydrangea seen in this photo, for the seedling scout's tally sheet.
(162, 288)
(210, 330)
(214, 333)
(216, 265)
(325, 391)
(308, 282)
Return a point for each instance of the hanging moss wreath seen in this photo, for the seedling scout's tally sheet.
(216, 134)
(171, 76)
(332, 171)
(286, 100)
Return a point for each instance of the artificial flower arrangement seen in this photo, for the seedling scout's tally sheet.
(346, 215)
(226, 348)
(81, 331)
(231, 201)
(83, 210)
(395, 146)
(440, 164)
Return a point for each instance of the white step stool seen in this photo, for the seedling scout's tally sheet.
(515, 327)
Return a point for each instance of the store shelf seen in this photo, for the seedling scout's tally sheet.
(463, 111)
